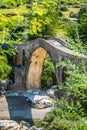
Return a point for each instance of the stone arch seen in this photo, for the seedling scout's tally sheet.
(56, 49)
(34, 73)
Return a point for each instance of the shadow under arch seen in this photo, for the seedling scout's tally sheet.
(35, 67)
(23, 58)
(17, 61)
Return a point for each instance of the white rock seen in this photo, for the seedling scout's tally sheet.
(50, 92)
(8, 125)
(12, 125)
(37, 91)
(24, 123)
(35, 128)
(29, 91)
(39, 101)
(36, 98)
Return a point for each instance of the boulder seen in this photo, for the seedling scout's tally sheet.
(39, 101)
(34, 91)
(8, 125)
(35, 128)
(29, 91)
(4, 84)
(2, 92)
(24, 124)
(55, 93)
(12, 125)
(51, 92)
(37, 91)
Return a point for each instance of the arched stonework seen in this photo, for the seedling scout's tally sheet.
(33, 79)
(29, 76)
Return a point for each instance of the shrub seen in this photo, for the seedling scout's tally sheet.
(80, 126)
(63, 8)
(72, 15)
(65, 117)
(5, 69)
(48, 74)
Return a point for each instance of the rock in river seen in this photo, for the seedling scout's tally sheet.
(39, 101)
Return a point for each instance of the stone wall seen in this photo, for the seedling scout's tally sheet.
(19, 78)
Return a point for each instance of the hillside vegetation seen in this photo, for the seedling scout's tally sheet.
(24, 20)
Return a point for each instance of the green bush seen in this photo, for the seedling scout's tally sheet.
(76, 43)
(76, 83)
(81, 126)
(48, 74)
(63, 8)
(5, 69)
(65, 117)
(73, 15)
(79, 27)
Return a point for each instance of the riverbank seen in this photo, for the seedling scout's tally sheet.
(16, 107)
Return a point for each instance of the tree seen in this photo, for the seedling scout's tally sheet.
(5, 69)
(83, 26)
(23, 20)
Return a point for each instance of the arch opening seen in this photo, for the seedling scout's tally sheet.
(35, 74)
(48, 77)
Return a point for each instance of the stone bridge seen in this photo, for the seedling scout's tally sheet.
(30, 57)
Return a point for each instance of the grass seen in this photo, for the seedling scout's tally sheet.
(61, 33)
(20, 10)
